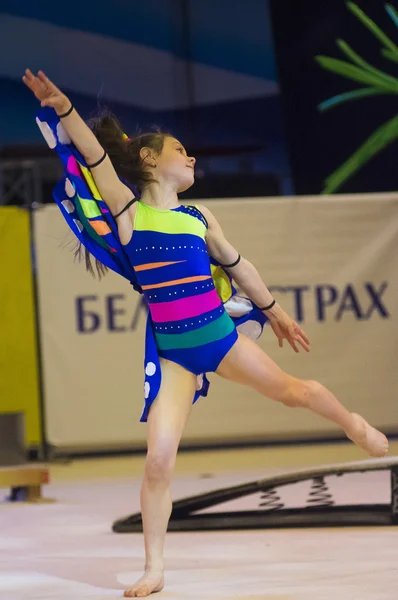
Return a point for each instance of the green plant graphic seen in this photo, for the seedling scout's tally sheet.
(374, 82)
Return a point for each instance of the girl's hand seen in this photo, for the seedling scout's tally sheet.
(285, 328)
(46, 91)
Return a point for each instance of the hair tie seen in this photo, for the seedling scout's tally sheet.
(126, 137)
(269, 306)
(232, 264)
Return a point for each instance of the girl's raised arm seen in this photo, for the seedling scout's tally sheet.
(112, 190)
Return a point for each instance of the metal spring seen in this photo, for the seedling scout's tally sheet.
(319, 494)
(271, 500)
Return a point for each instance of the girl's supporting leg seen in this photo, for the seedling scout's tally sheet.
(166, 421)
(247, 363)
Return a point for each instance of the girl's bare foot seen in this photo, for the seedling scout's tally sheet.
(371, 440)
(150, 583)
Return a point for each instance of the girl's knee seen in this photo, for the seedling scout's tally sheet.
(300, 393)
(159, 464)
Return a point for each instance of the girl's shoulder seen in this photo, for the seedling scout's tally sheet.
(199, 211)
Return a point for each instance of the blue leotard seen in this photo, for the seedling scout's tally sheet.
(169, 255)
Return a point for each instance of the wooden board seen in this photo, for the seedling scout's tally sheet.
(25, 482)
(24, 475)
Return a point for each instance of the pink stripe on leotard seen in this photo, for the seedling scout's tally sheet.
(185, 308)
(72, 167)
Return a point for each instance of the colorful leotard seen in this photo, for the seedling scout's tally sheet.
(169, 255)
(186, 290)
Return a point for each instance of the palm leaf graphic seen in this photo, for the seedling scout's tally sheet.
(354, 95)
(380, 139)
(358, 74)
(390, 54)
(393, 13)
(371, 25)
(375, 82)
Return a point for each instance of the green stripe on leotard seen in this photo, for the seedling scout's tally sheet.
(198, 337)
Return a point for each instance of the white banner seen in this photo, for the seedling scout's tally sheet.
(331, 262)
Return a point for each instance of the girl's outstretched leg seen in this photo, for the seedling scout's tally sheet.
(248, 364)
(166, 421)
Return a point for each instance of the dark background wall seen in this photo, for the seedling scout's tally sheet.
(236, 81)
(320, 142)
(204, 71)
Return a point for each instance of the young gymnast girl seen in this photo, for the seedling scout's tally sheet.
(171, 254)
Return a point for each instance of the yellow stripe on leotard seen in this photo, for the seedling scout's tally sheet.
(148, 219)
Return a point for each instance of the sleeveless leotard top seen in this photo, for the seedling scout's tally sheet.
(169, 254)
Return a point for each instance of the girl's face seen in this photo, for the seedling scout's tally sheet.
(173, 165)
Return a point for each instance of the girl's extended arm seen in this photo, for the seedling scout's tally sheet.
(249, 280)
(112, 190)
